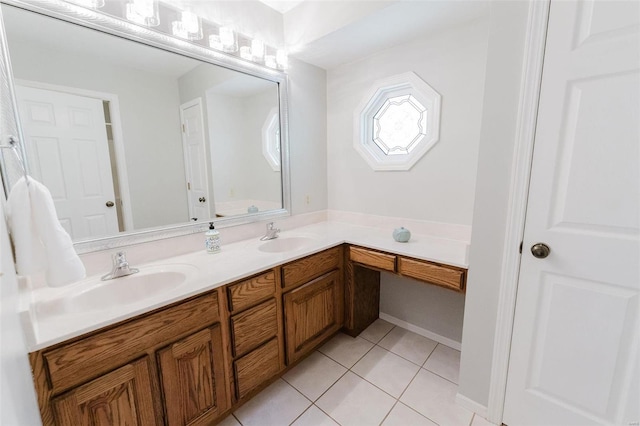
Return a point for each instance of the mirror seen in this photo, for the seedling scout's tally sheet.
(130, 137)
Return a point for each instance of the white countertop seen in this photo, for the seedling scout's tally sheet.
(235, 261)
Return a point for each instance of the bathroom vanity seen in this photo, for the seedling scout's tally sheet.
(195, 359)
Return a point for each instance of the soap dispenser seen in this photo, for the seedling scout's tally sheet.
(212, 239)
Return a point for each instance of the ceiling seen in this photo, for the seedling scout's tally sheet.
(397, 23)
(282, 6)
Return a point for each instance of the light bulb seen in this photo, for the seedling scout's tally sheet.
(270, 61)
(245, 53)
(191, 22)
(92, 4)
(257, 49)
(214, 42)
(228, 39)
(144, 12)
(282, 59)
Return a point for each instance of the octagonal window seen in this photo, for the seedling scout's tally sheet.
(397, 122)
(399, 125)
(271, 139)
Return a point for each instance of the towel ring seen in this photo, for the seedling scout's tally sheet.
(13, 145)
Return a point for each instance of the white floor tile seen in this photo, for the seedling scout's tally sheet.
(480, 421)
(445, 362)
(279, 404)
(314, 417)
(345, 349)
(376, 331)
(434, 397)
(314, 375)
(401, 415)
(386, 370)
(408, 345)
(354, 401)
(229, 421)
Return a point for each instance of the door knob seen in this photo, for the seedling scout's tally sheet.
(540, 250)
(202, 199)
(109, 204)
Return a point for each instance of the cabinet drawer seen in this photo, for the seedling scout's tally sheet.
(75, 363)
(444, 276)
(386, 262)
(253, 327)
(304, 270)
(256, 367)
(249, 292)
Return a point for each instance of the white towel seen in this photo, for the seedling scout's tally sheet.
(41, 243)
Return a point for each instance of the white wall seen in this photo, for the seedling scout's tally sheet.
(18, 405)
(308, 137)
(504, 73)
(311, 20)
(440, 187)
(150, 121)
(429, 307)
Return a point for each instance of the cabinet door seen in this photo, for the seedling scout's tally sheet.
(193, 378)
(121, 397)
(312, 313)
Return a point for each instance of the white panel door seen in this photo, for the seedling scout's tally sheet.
(195, 158)
(574, 355)
(66, 141)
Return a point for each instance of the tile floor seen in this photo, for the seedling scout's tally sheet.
(386, 376)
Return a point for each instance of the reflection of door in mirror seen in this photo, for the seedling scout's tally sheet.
(215, 168)
(195, 159)
(68, 145)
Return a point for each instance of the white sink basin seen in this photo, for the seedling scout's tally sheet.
(96, 295)
(281, 245)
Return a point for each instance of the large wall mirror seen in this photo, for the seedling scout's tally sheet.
(143, 139)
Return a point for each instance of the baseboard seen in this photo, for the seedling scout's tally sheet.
(421, 331)
(471, 405)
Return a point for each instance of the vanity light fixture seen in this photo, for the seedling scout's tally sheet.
(143, 12)
(90, 4)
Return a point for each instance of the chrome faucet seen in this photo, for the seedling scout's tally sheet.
(120, 267)
(271, 232)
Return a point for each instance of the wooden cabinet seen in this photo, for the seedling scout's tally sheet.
(313, 302)
(192, 375)
(121, 397)
(159, 368)
(362, 281)
(191, 362)
(313, 312)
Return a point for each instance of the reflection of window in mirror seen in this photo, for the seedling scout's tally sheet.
(397, 122)
(271, 139)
